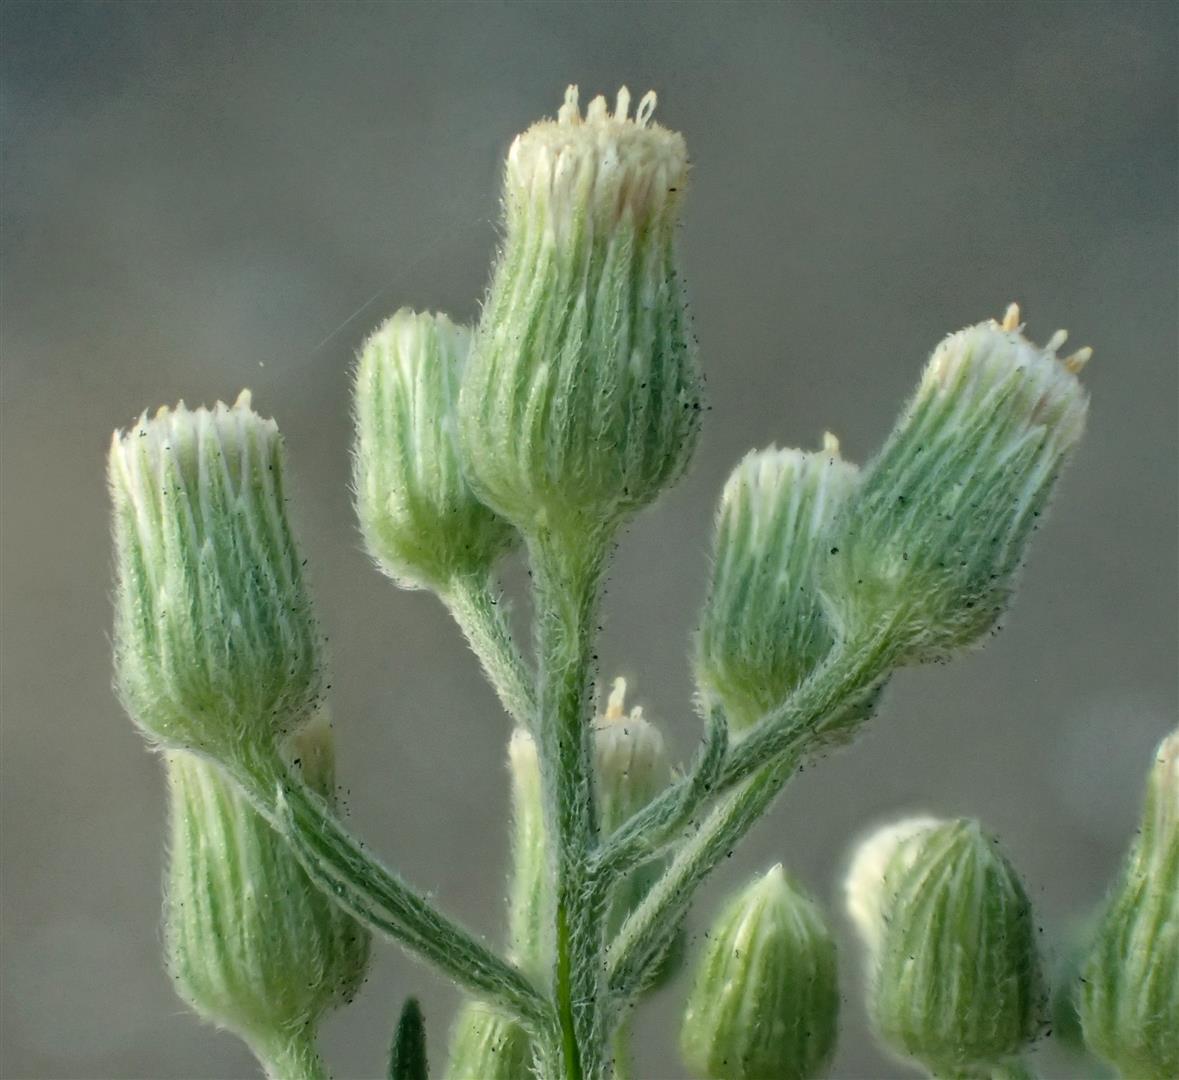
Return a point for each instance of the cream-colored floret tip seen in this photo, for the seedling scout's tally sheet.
(616, 706)
(1012, 324)
(606, 162)
(597, 112)
(179, 429)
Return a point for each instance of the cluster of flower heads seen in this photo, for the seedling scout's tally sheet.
(573, 402)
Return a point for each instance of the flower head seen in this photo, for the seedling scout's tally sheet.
(954, 972)
(763, 629)
(766, 998)
(420, 519)
(928, 550)
(216, 646)
(582, 398)
(1130, 982)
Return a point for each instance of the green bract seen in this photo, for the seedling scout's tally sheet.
(252, 945)
(1130, 988)
(763, 628)
(216, 646)
(486, 1045)
(955, 977)
(419, 518)
(765, 1002)
(582, 398)
(631, 768)
(928, 548)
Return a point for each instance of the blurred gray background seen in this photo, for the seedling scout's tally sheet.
(200, 197)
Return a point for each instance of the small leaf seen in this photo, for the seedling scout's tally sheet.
(407, 1058)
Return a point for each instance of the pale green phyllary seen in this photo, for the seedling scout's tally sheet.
(572, 403)
(1130, 983)
(928, 550)
(252, 945)
(216, 645)
(954, 968)
(417, 513)
(763, 628)
(766, 997)
(582, 401)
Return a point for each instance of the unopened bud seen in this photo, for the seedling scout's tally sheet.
(252, 944)
(420, 519)
(631, 768)
(582, 398)
(763, 628)
(216, 646)
(530, 897)
(1130, 984)
(631, 762)
(766, 1000)
(955, 976)
(487, 1045)
(930, 545)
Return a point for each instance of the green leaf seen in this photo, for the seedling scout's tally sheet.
(407, 1057)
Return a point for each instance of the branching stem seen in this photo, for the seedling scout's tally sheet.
(566, 578)
(338, 864)
(754, 773)
(483, 619)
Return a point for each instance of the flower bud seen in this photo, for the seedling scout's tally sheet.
(216, 647)
(763, 628)
(954, 972)
(252, 944)
(631, 768)
(530, 893)
(929, 547)
(582, 398)
(420, 520)
(487, 1045)
(631, 762)
(1130, 987)
(887, 849)
(766, 1000)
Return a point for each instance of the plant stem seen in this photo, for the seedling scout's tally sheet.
(754, 774)
(797, 723)
(483, 620)
(566, 579)
(644, 935)
(645, 833)
(338, 864)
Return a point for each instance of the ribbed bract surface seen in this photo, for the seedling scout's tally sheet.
(582, 398)
(631, 768)
(765, 1003)
(486, 1045)
(216, 646)
(763, 628)
(1130, 989)
(420, 519)
(931, 542)
(955, 975)
(252, 945)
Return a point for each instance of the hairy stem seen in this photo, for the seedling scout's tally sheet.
(646, 933)
(566, 579)
(838, 694)
(648, 831)
(483, 619)
(338, 864)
